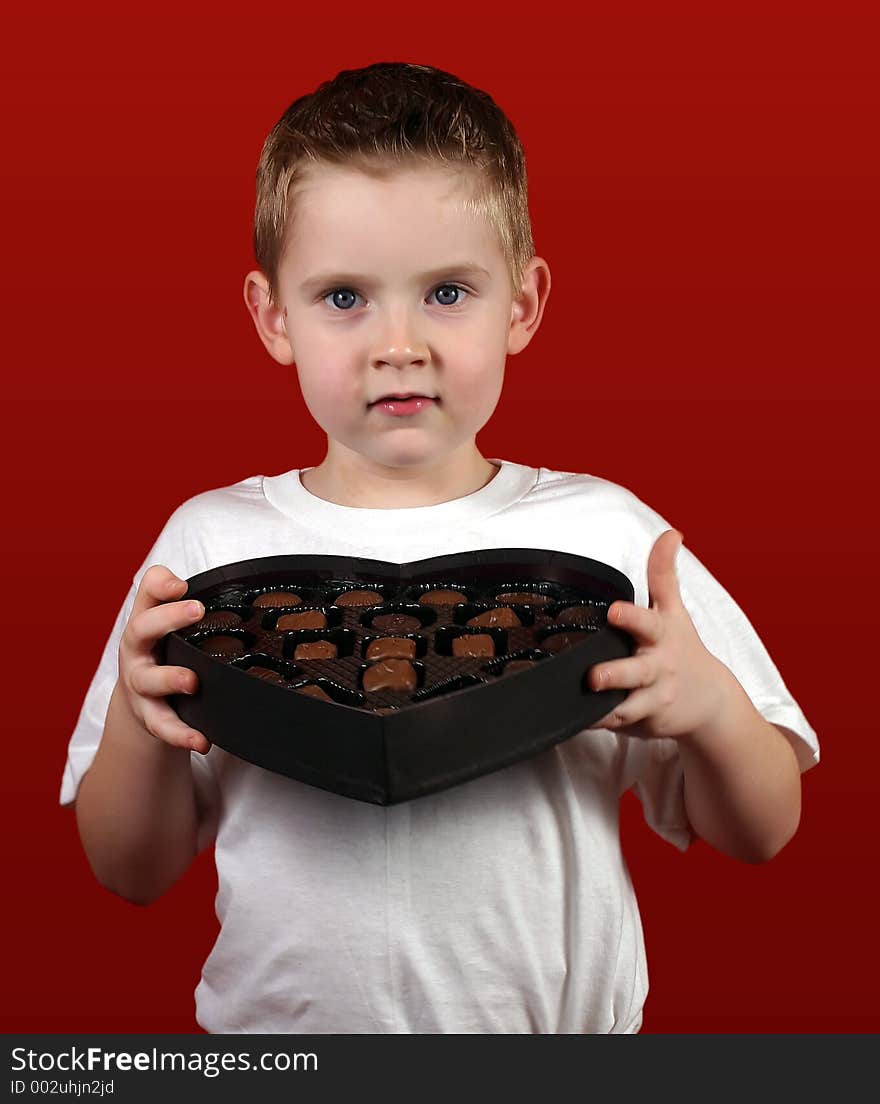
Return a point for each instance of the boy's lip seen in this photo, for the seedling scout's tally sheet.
(402, 404)
(399, 396)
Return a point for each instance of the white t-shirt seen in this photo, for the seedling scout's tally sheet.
(502, 905)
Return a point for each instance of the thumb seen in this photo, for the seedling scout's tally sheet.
(663, 589)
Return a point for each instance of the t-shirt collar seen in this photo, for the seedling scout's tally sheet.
(286, 493)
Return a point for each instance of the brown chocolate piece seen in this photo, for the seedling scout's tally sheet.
(309, 619)
(314, 692)
(560, 641)
(522, 598)
(390, 674)
(315, 649)
(359, 598)
(396, 622)
(219, 619)
(579, 615)
(473, 644)
(502, 616)
(267, 674)
(442, 598)
(518, 665)
(223, 646)
(275, 598)
(391, 647)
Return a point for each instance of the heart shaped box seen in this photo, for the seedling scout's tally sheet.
(425, 745)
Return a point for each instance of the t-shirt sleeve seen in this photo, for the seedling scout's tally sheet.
(170, 550)
(653, 767)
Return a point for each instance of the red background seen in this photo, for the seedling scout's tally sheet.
(704, 189)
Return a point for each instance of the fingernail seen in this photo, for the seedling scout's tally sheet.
(194, 609)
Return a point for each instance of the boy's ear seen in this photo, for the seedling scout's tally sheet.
(268, 318)
(528, 307)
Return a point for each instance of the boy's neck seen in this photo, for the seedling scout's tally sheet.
(356, 483)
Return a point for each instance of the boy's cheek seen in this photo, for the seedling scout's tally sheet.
(478, 392)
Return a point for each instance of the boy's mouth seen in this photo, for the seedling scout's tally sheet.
(403, 403)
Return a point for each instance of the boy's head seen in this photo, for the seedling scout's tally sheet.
(395, 256)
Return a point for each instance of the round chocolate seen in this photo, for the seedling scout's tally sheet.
(314, 692)
(219, 619)
(560, 641)
(222, 646)
(274, 598)
(442, 598)
(390, 674)
(522, 598)
(315, 649)
(391, 647)
(359, 598)
(473, 644)
(503, 616)
(391, 622)
(310, 619)
(267, 674)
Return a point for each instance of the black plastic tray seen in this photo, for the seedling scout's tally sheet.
(401, 746)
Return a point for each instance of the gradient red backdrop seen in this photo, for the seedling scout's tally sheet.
(704, 189)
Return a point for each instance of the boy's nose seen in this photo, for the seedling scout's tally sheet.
(400, 356)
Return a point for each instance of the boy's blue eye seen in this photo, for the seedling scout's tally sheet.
(346, 296)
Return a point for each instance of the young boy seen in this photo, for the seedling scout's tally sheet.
(397, 272)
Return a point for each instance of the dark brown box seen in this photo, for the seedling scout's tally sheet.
(407, 745)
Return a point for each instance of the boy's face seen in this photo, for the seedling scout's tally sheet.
(376, 299)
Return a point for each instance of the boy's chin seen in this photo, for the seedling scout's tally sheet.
(412, 456)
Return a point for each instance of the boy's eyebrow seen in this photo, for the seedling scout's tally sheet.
(465, 268)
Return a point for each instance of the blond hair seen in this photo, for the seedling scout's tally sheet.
(392, 114)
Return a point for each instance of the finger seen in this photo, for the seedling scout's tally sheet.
(663, 588)
(634, 708)
(161, 721)
(645, 625)
(152, 624)
(622, 674)
(153, 680)
(159, 584)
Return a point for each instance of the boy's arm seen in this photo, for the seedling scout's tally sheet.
(741, 774)
(136, 809)
(742, 786)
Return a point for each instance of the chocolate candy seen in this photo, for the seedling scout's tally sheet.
(561, 640)
(502, 616)
(579, 615)
(390, 674)
(309, 619)
(396, 622)
(314, 692)
(473, 644)
(274, 598)
(517, 665)
(392, 638)
(391, 647)
(223, 646)
(522, 598)
(359, 598)
(267, 674)
(442, 598)
(315, 649)
(219, 619)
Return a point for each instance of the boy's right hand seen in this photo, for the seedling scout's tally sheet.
(143, 681)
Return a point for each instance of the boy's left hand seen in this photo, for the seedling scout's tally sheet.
(675, 683)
